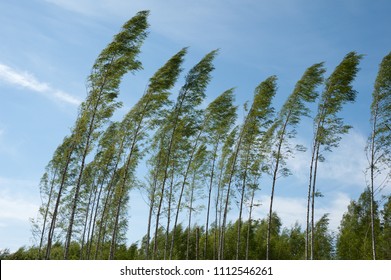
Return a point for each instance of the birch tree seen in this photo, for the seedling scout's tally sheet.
(136, 124)
(385, 238)
(118, 58)
(258, 116)
(379, 142)
(180, 125)
(49, 192)
(224, 164)
(285, 127)
(64, 164)
(102, 167)
(328, 128)
(354, 238)
(220, 115)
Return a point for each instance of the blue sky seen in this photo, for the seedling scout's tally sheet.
(48, 47)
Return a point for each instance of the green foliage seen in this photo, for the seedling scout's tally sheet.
(354, 238)
(220, 115)
(198, 153)
(295, 241)
(328, 128)
(175, 144)
(4, 254)
(338, 91)
(304, 92)
(379, 142)
(69, 161)
(381, 106)
(324, 240)
(134, 128)
(384, 247)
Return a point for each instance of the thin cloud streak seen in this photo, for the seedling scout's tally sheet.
(28, 81)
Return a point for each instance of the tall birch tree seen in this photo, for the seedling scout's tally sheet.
(118, 58)
(379, 142)
(136, 124)
(257, 117)
(285, 127)
(328, 128)
(180, 125)
(220, 115)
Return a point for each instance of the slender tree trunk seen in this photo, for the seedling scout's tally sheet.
(123, 185)
(249, 224)
(46, 213)
(309, 196)
(270, 217)
(57, 205)
(197, 242)
(190, 161)
(113, 243)
(209, 200)
(275, 173)
(177, 110)
(224, 223)
(372, 170)
(79, 180)
(155, 245)
(90, 225)
(241, 207)
(311, 188)
(313, 203)
(218, 204)
(103, 219)
(170, 198)
(84, 156)
(231, 175)
(88, 208)
(109, 191)
(195, 84)
(219, 213)
(94, 210)
(152, 202)
(159, 209)
(94, 214)
(189, 224)
(151, 206)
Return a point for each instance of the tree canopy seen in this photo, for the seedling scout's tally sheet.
(204, 163)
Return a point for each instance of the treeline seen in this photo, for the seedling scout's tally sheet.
(196, 154)
(351, 242)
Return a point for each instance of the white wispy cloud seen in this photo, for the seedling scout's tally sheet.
(26, 80)
(86, 7)
(206, 23)
(19, 201)
(218, 24)
(345, 165)
(15, 201)
(348, 163)
(335, 209)
(16, 208)
(293, 209)
(342, 171)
